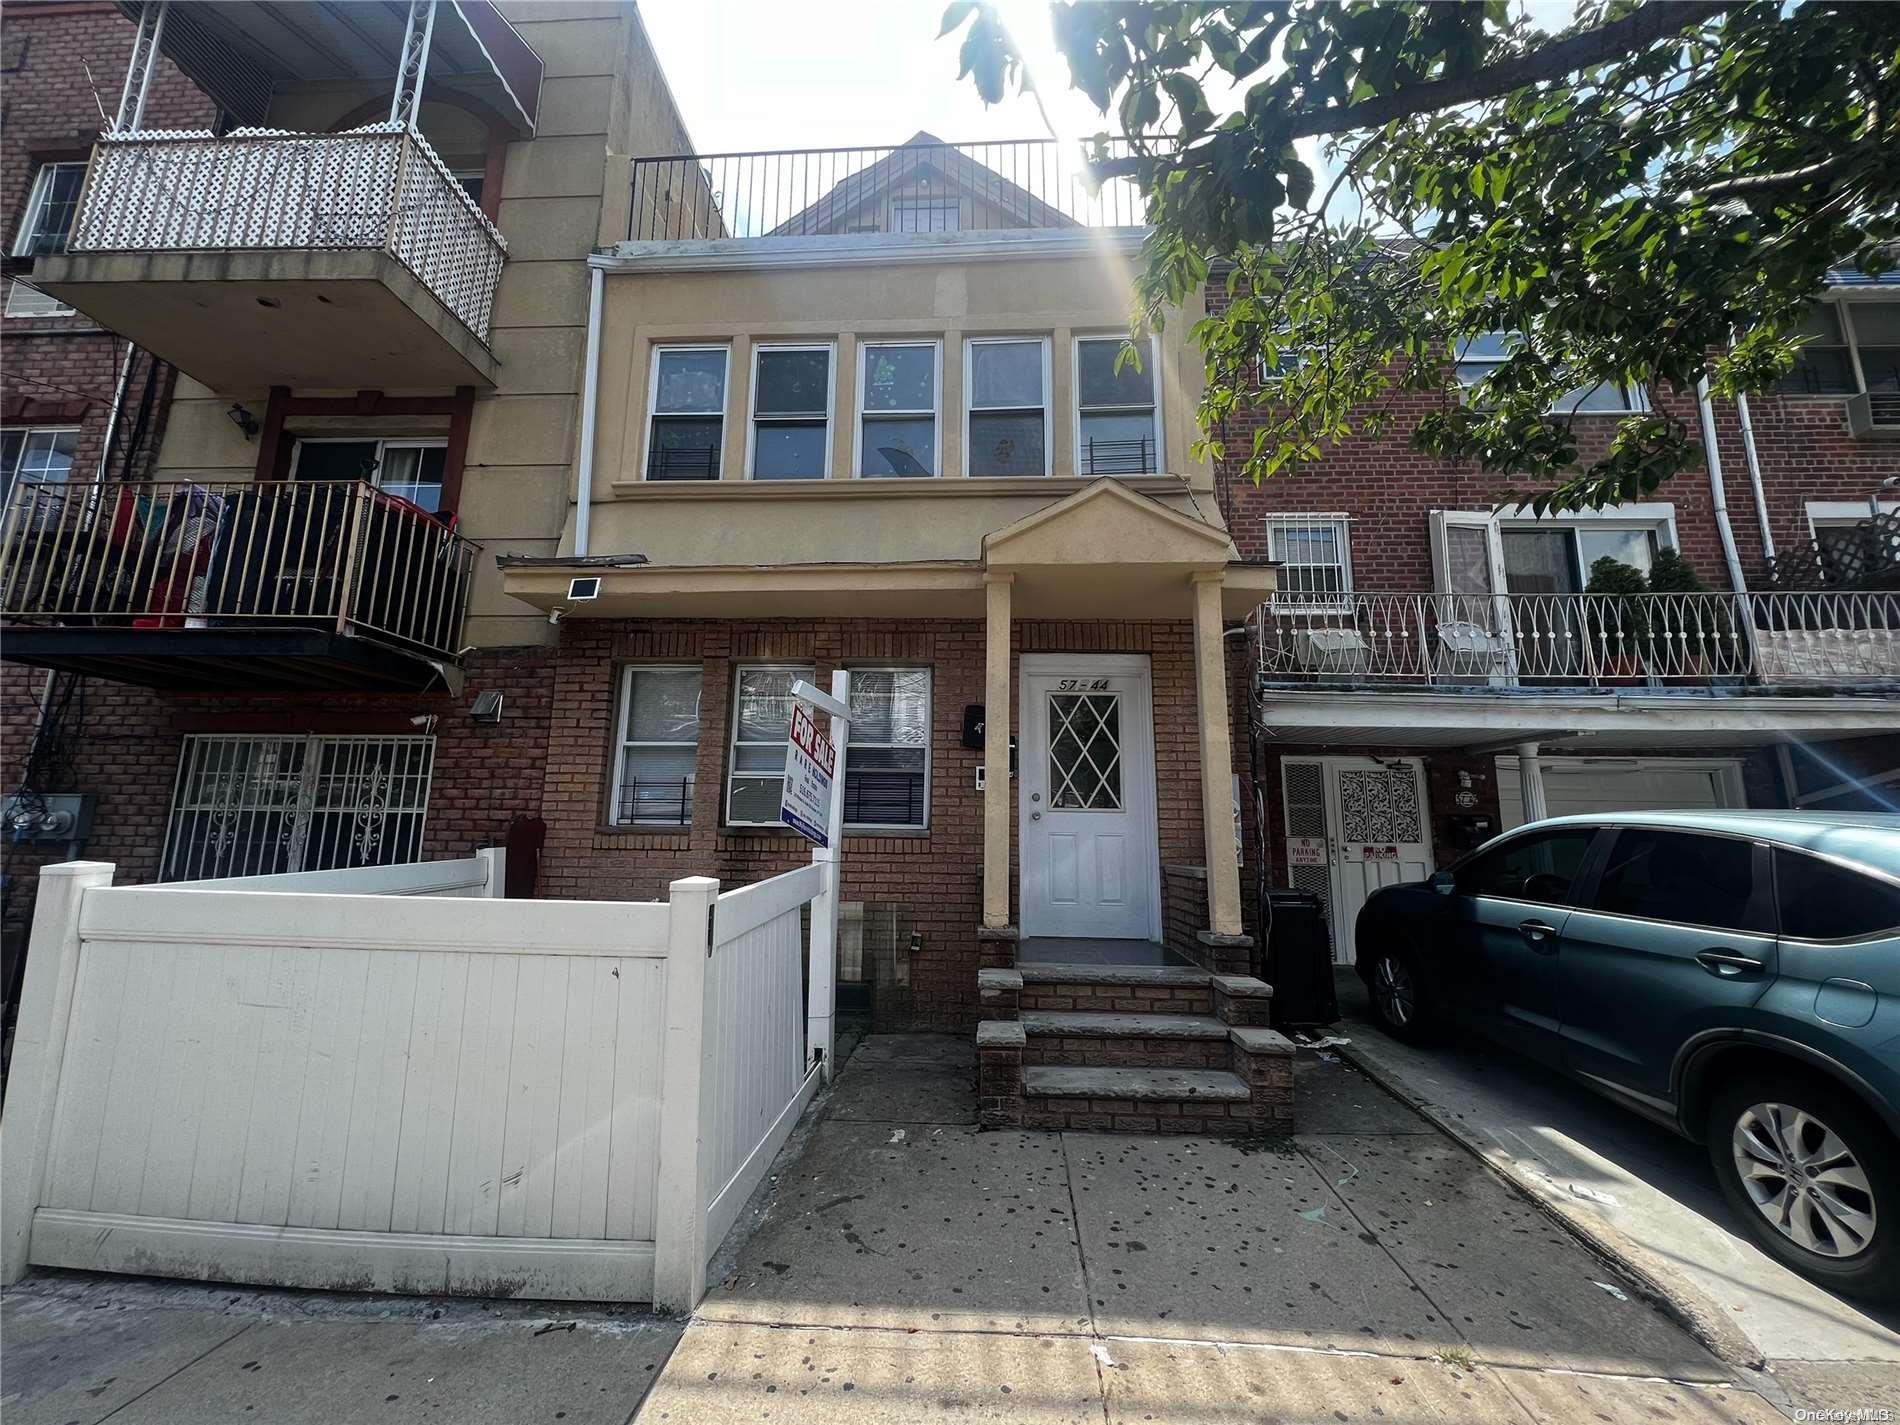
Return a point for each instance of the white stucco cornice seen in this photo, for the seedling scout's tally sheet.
(866, 250)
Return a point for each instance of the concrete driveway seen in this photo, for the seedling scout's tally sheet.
(1647, 1196)
(910, 1268)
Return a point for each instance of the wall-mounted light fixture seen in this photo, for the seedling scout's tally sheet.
(243, 420)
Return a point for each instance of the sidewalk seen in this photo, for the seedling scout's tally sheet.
(911, 1269)
(1645, 1196)
(908, 1268)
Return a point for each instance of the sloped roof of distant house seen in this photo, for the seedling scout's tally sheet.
(921, 156)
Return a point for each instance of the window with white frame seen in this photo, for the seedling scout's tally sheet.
(659, 746)
(36, 453)
(791, 412)
(1315, 557)
(1479, 553)
(898, 395)
(887, 762)
(411, 469)
(1118, 416)
(761, 727)
(50, 210)
(926, 215)
(1479, 356)
(26, 300)
(686, 417)
(1007, 429)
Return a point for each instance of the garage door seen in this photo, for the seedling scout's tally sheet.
(1576, 786)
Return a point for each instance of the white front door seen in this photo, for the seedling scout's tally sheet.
(1354, 825)
(1086, 789)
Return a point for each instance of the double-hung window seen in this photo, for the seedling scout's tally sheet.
(37, 453)
(1315, 557)
(1118, 421)
(686, 421)
(1007, 379)
(887, 761)
(659, 746)
(50, 210)
(791, 412)
(898, 394)
(761, 726)
(1479, 356)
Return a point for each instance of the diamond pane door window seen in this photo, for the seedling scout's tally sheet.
(1085, 753)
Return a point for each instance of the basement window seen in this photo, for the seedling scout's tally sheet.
(262, 806)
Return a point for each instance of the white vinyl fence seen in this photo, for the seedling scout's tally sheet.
(392, 1079)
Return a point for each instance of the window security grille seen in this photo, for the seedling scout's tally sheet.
(255, 806)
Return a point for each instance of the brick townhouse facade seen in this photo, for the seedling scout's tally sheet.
(877, 431)
(1371, 514)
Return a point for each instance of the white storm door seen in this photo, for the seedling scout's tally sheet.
(1086, 809)
(1380, 834)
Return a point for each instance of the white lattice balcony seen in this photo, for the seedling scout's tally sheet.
(259, 257)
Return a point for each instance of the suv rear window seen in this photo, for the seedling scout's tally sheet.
(1823, 901)
(1680, 876)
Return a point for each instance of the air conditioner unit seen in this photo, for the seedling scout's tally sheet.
(1339, 652)
(1471, 653)
(1874, 413)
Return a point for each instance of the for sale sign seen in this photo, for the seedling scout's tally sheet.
(810, 761)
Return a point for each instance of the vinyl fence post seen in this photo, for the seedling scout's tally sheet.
(494, 861)
(39, 1047)
(679, 1247)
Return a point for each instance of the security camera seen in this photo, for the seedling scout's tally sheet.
(554, 615)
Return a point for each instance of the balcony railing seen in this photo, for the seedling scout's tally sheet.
(337, 555)
(1581, 641)
(379, 187)
(912, 188)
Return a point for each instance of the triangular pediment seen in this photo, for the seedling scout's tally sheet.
(1107, 523)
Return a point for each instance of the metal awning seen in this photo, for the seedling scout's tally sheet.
(241, 51)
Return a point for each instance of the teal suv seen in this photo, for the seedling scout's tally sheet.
(1734, 975)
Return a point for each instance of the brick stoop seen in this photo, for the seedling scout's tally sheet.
(1130, 1049)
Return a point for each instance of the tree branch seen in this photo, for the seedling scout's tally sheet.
(1635, 31)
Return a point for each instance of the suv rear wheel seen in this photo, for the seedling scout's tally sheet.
(1813, 1176)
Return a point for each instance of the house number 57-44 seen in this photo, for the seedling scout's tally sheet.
(1083, 685)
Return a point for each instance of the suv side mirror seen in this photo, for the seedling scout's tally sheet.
(1444, 882)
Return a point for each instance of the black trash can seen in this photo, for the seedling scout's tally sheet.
(1299, 960)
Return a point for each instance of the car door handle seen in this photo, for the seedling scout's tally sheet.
(1540, 934)
(1723, 962)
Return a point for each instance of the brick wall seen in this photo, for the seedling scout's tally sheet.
(937, 874)
(1390, 490)
(125, 743)
(54, 59)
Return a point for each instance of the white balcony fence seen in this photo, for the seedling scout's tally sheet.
(1581, 640)
(256, 190)
(392, 1079)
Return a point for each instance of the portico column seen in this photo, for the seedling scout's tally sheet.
(1530, 782)
(996, 719)
(1217, 757)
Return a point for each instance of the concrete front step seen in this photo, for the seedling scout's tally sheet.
(1182, 1041)
(1116, 989)
(1129, 1100)
(1148, 1085)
